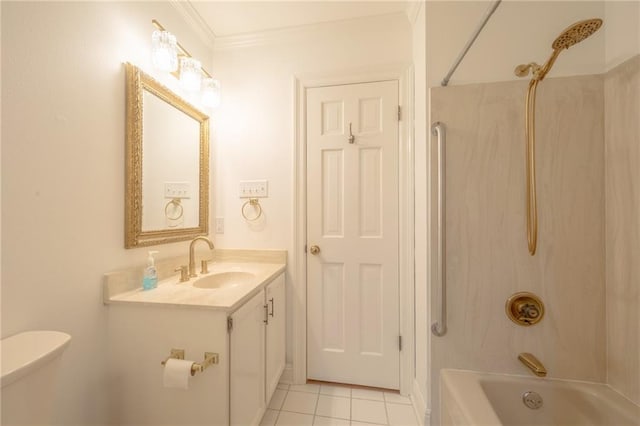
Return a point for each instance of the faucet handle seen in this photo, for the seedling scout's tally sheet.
(184, 273)
(204, 266)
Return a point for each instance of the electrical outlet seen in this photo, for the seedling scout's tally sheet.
(254, 188)
(219, 225)
(177, 190)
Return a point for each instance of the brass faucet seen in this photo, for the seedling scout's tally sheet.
(192, 259)
(533, 364)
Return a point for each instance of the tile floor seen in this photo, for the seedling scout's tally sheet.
(325, 405)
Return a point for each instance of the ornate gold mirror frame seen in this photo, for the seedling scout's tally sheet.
(137, 82)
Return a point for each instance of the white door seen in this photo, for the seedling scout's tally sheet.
(352, 218)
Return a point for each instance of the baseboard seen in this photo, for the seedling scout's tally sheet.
(287, 374)
(419, 405)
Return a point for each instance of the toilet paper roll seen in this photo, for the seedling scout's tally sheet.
(176, 373)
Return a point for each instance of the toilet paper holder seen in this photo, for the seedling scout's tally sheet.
(210, 358)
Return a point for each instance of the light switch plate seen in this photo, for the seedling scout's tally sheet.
(177, 190)
(219, 225)
(254, 188)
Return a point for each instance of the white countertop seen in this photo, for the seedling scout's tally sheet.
(172, 292)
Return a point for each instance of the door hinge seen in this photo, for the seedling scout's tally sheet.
(229, 324)
(399, 343)
(399, 113)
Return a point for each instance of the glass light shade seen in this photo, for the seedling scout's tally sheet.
(210, 93)
(164, 52)
(190, 74)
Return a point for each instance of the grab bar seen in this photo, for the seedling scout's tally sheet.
(439, 328)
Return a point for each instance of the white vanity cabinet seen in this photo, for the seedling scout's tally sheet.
(243, 325)
(246, 362)
(256, 353)
(140, 337)
(275, 341)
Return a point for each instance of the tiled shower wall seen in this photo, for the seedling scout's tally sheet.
(487, 256)
(622, 225)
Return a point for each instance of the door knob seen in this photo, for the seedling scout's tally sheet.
(314, 249)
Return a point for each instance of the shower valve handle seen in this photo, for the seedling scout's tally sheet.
(528, 312)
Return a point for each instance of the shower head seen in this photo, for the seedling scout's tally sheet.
(576, 33)
(570, 36)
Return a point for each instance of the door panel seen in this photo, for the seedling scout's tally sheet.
(352, 216)
(332, 193)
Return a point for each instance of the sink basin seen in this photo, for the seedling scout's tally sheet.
(224, 280)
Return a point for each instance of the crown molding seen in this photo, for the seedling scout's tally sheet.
(260, 38)
(191, 16)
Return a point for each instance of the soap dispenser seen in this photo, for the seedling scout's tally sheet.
(150, 279)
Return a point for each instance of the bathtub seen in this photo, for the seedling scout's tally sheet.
(472, 398)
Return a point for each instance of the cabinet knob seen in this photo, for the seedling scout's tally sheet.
(314, 250)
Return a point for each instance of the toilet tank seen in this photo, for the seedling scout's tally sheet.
(29, 362)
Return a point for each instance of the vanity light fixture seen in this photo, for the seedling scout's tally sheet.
(190, 74)
(211, 93)
(193, 78)
(164, 52)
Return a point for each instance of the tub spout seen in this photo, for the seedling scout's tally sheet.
(533, 364)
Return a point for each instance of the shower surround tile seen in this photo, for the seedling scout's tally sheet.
(487, 256)
(622, 213)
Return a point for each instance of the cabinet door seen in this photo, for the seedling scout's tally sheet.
(275, 295)
(246, 362)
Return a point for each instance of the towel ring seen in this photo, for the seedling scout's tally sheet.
(256, 205)
(177, 206)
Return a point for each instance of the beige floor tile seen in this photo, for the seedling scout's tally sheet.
(300, 402)
(401, 415)
(367, 394)
(309, 387)
(334, 406)
(363, 410)
(335, 390)
(327, 421)
(294, 419)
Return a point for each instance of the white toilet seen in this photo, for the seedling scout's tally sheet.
(29, 367)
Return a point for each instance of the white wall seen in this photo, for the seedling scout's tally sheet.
(63, 129)
(254, 125)
(622, 31)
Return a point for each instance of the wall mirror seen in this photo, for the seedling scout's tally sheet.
(167, 164)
